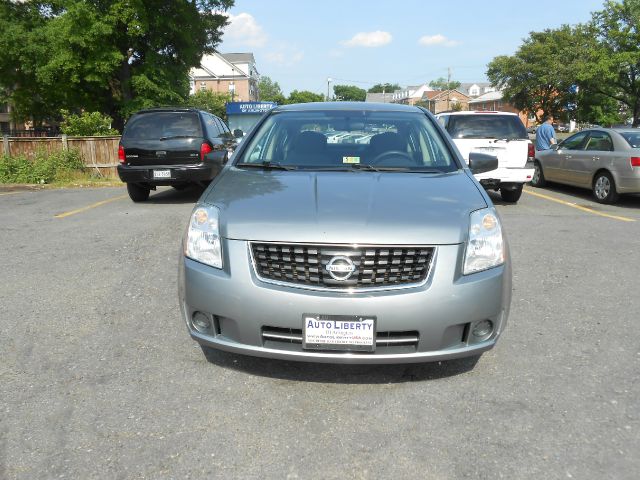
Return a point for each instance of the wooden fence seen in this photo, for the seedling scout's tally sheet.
(99, 154)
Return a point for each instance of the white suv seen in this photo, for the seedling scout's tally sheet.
(501, 134)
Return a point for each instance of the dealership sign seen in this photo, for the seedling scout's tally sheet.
(249, 108)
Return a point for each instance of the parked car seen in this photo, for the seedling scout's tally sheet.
(172, 146)
(387, 251)
(495, 133)
(605, 160)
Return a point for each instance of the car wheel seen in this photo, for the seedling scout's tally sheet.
(138, 193)
(538, 175)
(511, 195)
(604, 188)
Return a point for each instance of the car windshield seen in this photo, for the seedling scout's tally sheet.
(508, 127)
(163, 125)
(349, 140)
(632, 138)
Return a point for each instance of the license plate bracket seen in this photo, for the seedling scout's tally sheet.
(352, 333)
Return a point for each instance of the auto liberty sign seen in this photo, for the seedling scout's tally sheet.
(249, 108)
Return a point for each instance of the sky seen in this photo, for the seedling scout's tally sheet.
(300, 44)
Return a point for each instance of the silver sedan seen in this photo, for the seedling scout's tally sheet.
(378, 248)
(605, 160)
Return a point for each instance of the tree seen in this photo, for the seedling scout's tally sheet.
(384, 88)
(350, 93)
(111, 56)
(609, 61)
(270, 91)
(442, 84)
(210, 101)
(86, 124)
(539, 77)
(304, 96)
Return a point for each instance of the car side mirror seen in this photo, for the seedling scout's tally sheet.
(555, 146)
(238, 133)
(481, 162)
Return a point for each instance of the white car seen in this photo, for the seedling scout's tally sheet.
(500, 134)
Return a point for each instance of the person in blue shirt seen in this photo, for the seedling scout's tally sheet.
(545, 135)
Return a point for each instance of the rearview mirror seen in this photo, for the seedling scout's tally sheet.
(481, 162)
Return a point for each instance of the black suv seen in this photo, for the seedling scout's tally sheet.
(172, 146)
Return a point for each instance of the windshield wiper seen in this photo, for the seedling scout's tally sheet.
(267, 166)
(370, 168)
(176, 136)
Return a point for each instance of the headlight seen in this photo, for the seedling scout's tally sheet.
(485, 247)
(202, 240)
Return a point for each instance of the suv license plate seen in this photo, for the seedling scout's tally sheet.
(162, 174)
(338, 332)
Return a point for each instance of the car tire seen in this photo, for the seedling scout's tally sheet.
(137, 192)
(538, 179)
(511, 195)
(604, 188)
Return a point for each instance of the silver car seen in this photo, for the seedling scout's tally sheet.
(605, 160)
(382, 248)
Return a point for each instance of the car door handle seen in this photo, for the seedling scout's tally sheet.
(596, 158)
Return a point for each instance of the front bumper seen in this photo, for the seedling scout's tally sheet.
(440, 311)
(506, 175)
(200, 172)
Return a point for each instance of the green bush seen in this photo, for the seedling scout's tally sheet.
(87, 124)
(43, 168)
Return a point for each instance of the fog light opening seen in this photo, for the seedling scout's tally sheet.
(201, 322)
(483, 329)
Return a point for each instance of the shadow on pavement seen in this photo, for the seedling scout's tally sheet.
(343, 374)
(190, 194)
(585, 198)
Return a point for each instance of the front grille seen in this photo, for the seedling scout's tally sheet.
(386, 342)
(375, 266)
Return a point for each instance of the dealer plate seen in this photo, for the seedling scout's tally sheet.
(162, 174)
(338, 332)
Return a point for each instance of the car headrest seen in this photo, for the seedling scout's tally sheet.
(386, 142)
(309, 142)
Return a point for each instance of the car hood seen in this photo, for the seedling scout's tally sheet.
(345, 207)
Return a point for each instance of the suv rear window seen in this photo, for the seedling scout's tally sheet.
(509, 127)
(156, 125)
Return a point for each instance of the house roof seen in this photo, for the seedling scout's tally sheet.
(488, 97)
(239, 57)
(379, 97)
(436, 94)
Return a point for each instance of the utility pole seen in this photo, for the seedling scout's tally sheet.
(328, 87)
(448, 83)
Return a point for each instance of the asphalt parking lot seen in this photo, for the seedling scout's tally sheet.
(99, 378)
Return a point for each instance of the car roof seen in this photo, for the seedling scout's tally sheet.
(478, 112)
(168, 109)
(609, 130)
(347, 106)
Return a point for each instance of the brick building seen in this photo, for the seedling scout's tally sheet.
(231, 73)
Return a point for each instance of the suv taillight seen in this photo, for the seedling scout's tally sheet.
(635, 161)
(204, 149)
(532, 151)
(121, 156)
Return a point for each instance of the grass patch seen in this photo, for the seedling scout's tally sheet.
(59, 169)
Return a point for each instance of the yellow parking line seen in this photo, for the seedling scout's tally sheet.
(579, 207)
(89, 207)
